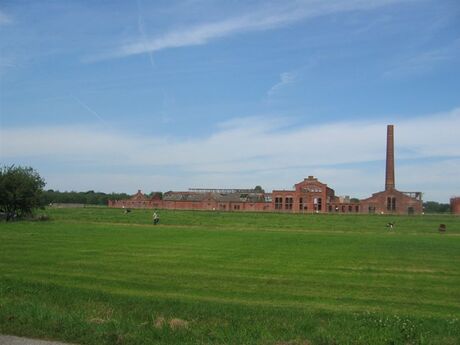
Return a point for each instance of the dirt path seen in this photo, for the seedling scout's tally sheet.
(11, 340)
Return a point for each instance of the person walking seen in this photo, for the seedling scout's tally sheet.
(156, 218)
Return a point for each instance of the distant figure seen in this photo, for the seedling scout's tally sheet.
(390, 225)
(156, 218)
(442, 228)
(127, 210)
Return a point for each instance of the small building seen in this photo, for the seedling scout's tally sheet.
(393, 201)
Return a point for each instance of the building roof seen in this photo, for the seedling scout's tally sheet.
(219, 197)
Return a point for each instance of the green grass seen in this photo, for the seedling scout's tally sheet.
(98, 276)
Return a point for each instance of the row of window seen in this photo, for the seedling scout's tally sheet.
(391, 206)
(289, 201)
(312, 190)
(343, 208)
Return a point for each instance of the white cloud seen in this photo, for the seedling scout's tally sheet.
(438, 180)
(286, 78)
(252, 151)
(269, 17)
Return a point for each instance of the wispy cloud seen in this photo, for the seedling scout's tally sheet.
(250, 150)
(424, 61)
(286, 78)
(5, 19)
(141, 29)
(270, 17)
(340, 143)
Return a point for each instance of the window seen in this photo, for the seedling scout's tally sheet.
(350, 208)
(391, 203)
(343, 209)
(301, 204)
(236, 207)
(357, 208)
(278, 203)
(312, 190)
(288, 203)
(320, 204)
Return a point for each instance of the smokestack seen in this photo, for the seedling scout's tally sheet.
(390, 168)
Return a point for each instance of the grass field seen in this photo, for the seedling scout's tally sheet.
(97, 276)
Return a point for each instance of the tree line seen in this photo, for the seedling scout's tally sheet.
(435, 207)
(90, 197)
(21, 191)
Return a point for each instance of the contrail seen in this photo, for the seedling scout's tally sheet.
(79, 101)
(140, 27)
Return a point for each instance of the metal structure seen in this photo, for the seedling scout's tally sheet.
(221, 191)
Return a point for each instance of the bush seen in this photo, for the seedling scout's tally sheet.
(20, 190)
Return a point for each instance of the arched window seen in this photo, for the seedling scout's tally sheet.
(278, 203)
(391, 203)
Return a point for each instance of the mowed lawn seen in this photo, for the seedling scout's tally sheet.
(98, 276)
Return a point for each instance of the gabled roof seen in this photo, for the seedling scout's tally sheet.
(392, 192)
(139, 196)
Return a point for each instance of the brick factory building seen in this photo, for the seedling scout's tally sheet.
(307, 196)
(391, 200)
(455, 205)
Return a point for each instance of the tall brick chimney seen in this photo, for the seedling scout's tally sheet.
(390, 168)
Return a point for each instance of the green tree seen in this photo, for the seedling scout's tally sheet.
(259, 189)
(156, 195)
(435, 207)
(20, 190)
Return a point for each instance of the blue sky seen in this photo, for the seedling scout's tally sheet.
(167, 95)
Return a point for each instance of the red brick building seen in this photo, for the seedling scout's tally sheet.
(138, 200)
(307, 196)
(217, 199)
(455, 205)
(391, 200)
(311, 196)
